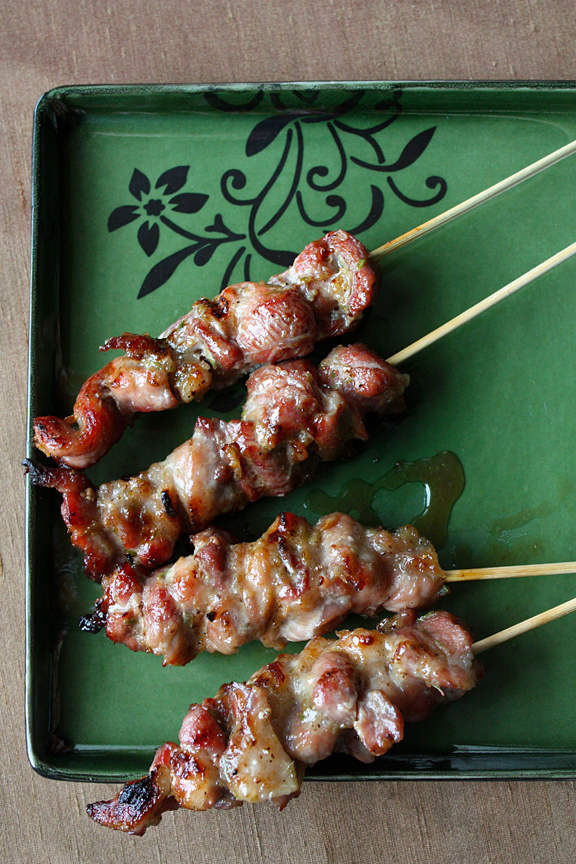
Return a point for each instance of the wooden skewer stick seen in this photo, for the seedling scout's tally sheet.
(561, 567)
(471, 313)
(524, 626)
(470, 203)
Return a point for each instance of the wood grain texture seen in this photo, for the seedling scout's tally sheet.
(44, 44)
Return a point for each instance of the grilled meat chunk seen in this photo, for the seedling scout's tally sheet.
(253, 741)
(294, 416)
(323, 294)
(297, 581)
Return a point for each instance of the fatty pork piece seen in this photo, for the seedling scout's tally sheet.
(295, 415)
(297, 581)
(323, 294)
(253, 741)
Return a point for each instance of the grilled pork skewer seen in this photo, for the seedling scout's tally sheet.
(322, 295)
(295, 415)
(218, 340)
(253, 741)
(297, 581)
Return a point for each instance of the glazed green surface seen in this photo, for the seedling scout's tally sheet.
(499, 393)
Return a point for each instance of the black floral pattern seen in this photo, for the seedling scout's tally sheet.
(155, 205)
(318, 193)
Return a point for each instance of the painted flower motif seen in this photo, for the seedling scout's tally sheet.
(156, 206)
(320, 194)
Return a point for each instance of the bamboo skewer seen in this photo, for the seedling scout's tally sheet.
(524, 626)
(479, 573)
(480, 307)
(453, 213)
(475, 200)
(483, 573)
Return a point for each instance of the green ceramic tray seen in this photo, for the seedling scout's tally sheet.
(145, 199)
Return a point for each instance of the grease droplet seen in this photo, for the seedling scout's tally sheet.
(441, 475)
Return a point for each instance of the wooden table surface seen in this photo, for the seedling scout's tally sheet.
(44, 44)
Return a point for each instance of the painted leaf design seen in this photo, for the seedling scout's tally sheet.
(376, 210)
(265, 132)
(188, 202)
(122, 216)
(218, 225)
(148, 236)
(297, 106)
(204, 254)
(139, 183)
(413, 150)
(173, 179)
(161, 272)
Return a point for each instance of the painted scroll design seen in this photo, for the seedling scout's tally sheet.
(278, 148)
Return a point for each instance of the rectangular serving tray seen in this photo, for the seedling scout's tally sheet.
(146, 198)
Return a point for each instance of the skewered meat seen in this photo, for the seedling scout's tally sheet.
(323, 294)
(253, 741)
(295, 414)
(295, 582)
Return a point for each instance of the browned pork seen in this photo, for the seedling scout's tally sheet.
(323, 294)
(295, 415)
(297, 581)
(253, 741)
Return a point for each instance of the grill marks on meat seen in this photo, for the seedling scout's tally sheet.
(253, 741)
(294, 415)
(323, 294)
(297, 581)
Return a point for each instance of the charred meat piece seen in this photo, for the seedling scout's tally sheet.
(297, 581)
(253, 741)
(323, 294)
(295, 415)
